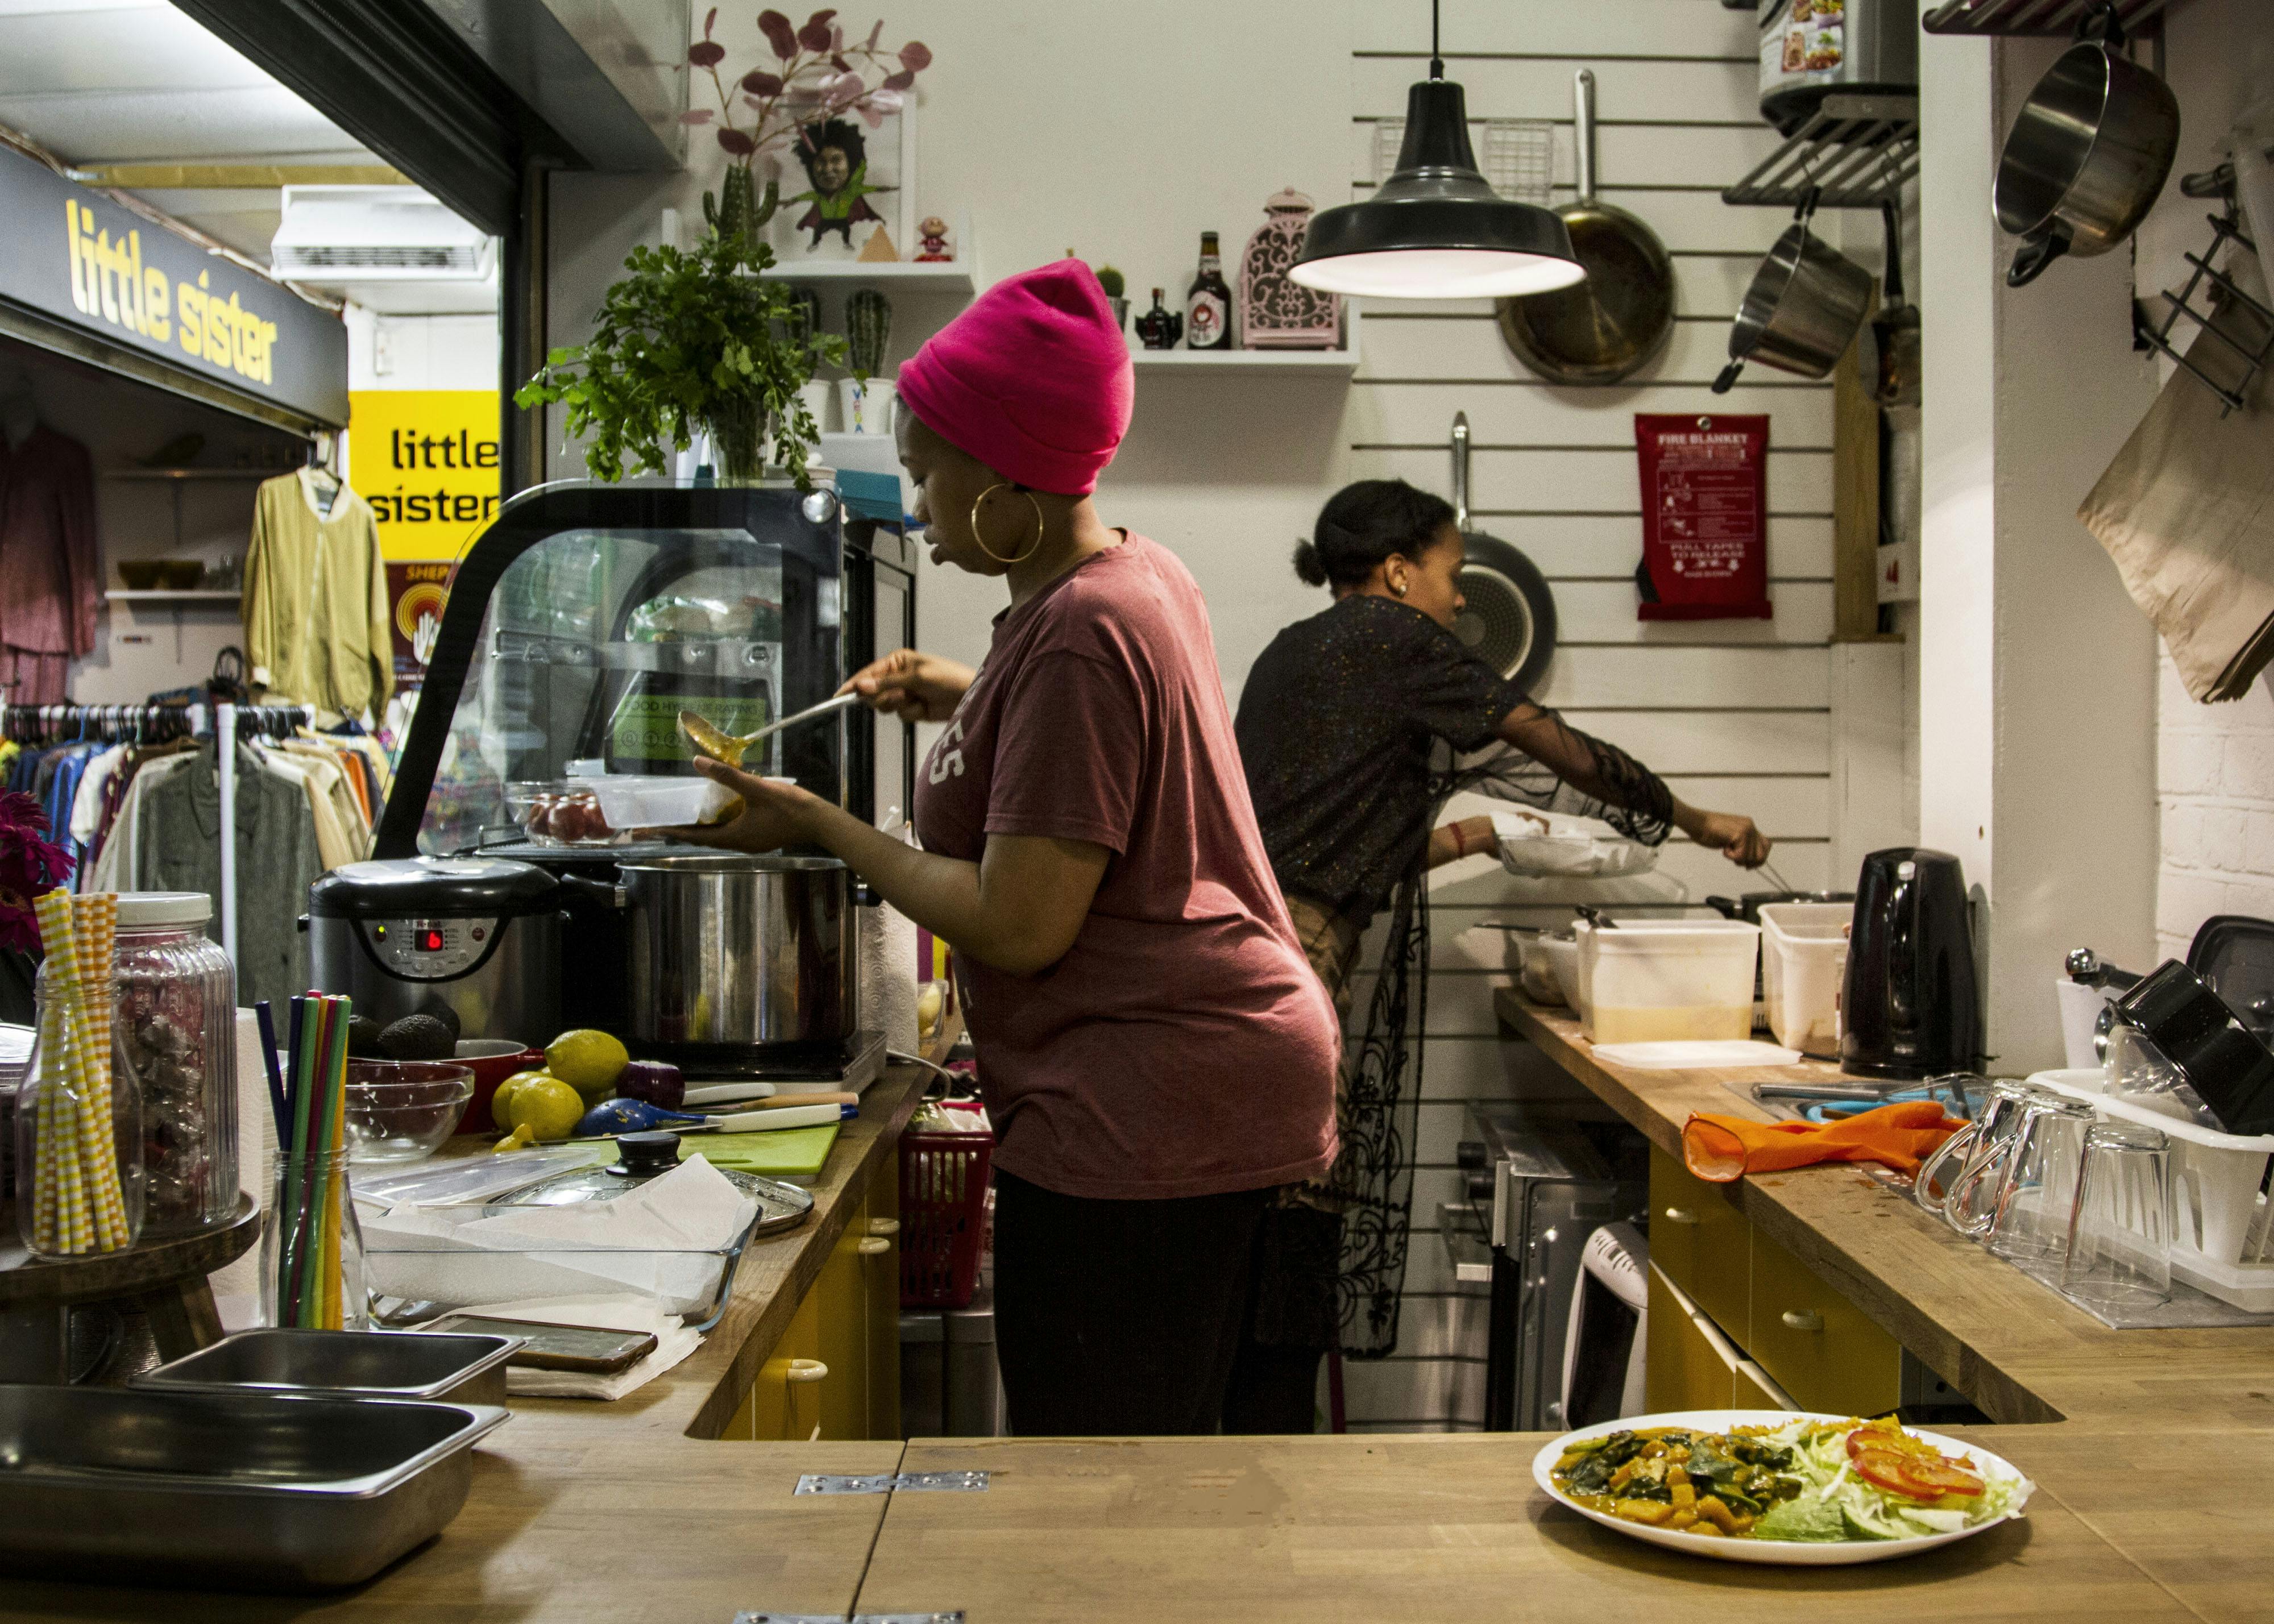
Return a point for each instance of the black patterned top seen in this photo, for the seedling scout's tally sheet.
(1340, 725)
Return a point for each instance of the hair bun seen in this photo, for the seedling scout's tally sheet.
(1310, 568)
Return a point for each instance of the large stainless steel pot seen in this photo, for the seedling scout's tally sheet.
(2087, 155)
(732, 951)
(1801, 307)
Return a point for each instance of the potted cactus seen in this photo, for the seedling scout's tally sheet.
(1115, 287)
(868, 399)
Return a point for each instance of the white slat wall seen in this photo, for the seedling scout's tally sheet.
(1736, 714)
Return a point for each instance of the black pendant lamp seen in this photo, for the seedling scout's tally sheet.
(1437, 230)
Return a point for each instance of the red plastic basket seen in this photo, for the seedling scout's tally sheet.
(943, 1214)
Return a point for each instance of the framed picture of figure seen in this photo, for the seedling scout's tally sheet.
(842, 181)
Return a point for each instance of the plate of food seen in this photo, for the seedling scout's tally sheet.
(1780, 1487)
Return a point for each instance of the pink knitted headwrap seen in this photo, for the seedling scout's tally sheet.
(1034, 380)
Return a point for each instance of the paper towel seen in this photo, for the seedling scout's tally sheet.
(888, 976)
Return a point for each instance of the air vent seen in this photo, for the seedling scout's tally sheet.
(332, 234)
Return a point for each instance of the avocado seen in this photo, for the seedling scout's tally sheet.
(419, 1037)
(448, 1016)
(363, 1038)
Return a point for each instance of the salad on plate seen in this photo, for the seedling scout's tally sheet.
(1810, 1479)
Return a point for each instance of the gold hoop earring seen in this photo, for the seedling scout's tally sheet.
(1004, 484)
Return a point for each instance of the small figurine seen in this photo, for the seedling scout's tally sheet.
(1160, 328)
(935, 248)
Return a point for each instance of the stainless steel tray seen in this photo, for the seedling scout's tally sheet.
(445, 1369)
(227, 1490)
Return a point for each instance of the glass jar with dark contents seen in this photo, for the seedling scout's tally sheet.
(178, 1023)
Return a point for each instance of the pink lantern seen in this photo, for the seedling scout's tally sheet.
(1277, 311)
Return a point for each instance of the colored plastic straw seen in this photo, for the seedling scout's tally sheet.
(283, 1113)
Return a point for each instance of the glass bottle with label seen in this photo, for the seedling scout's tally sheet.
(1207, 308)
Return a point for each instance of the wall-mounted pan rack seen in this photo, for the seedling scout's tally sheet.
(1857, 149)
(2058, 18)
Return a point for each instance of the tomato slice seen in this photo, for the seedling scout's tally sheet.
(1872, 1438)
(1941, 1476)
(1884, 1468)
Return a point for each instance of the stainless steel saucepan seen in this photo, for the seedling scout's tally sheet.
(1801, 308)
(2087, 154)
(734, 951)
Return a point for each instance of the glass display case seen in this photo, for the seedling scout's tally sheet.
(580, 625)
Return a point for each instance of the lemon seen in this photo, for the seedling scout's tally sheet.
(547, 1107)
(588, 1061)
(504, 1092)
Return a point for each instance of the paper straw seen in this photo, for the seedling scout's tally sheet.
(95, 919)
(57, 1167)
(336, 1072)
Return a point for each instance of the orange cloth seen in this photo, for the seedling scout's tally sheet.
(1722, 1149)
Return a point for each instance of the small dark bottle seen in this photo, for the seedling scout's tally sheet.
(1207, 308)
(1159, 327)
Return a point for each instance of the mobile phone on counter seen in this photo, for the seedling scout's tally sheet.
(589, 1350)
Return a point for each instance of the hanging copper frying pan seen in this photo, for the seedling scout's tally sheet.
(1599, 330)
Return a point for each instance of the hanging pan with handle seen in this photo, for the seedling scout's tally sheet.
(1599, 330)
(1509, 620)
(2087, 154)
(1801, 308)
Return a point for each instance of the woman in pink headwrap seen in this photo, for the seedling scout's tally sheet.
(1155, 1052)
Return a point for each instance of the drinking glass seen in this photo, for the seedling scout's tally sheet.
(2030, 1220)
(311, 1273)
(2120, 1237)
(1978, 1152)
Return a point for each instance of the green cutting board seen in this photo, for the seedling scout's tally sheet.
(779, 1153)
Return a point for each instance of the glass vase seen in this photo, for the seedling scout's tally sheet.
(312, 1273)
(78, 1148)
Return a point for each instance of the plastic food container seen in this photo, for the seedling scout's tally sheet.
(636, 802)
(565, 812)
(1656, 983)
(1803, 957)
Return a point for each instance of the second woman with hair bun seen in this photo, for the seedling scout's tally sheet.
(1342, 723)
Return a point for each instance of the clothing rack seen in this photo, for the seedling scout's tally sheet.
(116, 723)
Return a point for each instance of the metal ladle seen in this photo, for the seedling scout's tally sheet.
(729, 749)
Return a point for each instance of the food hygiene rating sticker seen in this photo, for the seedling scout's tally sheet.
(426, 461)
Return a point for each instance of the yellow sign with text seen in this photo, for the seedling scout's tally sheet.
(426, 461)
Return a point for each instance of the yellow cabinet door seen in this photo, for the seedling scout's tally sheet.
(881, 1259)
(785, 1402)
(842, 1292)
(1684, 1368)
(1817, 1344)
(1698, 1235)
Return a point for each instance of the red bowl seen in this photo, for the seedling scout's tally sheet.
(492, 1060)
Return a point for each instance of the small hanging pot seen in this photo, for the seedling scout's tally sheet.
(2087, 154)
(1892, 345)
(1802, 307)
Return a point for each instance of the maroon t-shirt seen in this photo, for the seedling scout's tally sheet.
(1182, 1046)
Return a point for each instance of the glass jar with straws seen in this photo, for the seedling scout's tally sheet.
(311, 1273)
(79, 1119)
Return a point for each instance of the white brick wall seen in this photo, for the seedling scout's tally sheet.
(2215, 784)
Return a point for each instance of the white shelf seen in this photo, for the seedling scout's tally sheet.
(953, 277)
(168, 595)
(1343, 361)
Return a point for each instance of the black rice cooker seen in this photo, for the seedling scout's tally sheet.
(481, 935)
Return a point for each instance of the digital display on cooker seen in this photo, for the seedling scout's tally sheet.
(426, 940)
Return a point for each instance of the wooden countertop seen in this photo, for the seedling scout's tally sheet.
(596, 1513)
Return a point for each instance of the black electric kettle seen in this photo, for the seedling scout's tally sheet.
(1911, 1006)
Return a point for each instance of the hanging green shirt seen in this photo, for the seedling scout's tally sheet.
(316, 616)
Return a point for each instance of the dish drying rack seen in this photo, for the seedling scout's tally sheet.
(2222, 1236)
(1857, 150)
(2227, 298)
